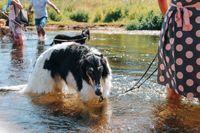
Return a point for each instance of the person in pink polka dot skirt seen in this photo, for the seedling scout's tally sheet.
(179, 48)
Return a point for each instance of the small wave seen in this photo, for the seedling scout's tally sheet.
(12, 88)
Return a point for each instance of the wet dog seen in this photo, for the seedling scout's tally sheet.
(60, 38)
(71, 66)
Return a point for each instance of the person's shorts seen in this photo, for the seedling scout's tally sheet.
(41, 22)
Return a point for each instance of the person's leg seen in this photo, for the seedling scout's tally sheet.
(41, 33)
(17, 34)
(40, 24)
(172, 95)
(20, 39)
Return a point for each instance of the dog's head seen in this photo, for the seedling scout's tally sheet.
(94, 68)
(86, 33)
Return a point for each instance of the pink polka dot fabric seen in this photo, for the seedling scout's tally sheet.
(179, 52)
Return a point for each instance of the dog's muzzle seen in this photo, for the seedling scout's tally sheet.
(98, 90)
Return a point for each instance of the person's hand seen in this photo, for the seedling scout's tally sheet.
(30, 11)
(58, 11)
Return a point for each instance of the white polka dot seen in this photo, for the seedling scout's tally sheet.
(189, 1)
(162, 67)
(198, 75)
(198, 33)
(190, 82)
(190, 95)
(197, 20)
(198, 89)
(162, 78)
(167, 59)
(189, 54)
(179, 34)
(179, 47)
(189, 40)
(167, 74)
(181, 88)
(171, 40)
(168, 47)
(198, 61)
(189, 68)
(198, 47)
(173, 67)
(179, 75)
(179, 61)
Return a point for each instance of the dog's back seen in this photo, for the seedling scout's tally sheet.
(60, 38)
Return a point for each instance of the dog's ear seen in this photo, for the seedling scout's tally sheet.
(106, 70)
(82, 64)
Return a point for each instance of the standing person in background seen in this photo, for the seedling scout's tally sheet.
(179, 49)
(16, 30)
(40, 8)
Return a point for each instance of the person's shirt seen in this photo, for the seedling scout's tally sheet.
(39, 8)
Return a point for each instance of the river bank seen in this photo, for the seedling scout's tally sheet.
(103, 29)
(99, 29)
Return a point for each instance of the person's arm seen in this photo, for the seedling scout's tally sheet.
(17, 4)
(163, 6)
(53, 6)
(30, 8)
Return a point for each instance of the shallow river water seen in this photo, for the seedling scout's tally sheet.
(144, 110)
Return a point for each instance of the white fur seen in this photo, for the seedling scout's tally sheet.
(40, 81)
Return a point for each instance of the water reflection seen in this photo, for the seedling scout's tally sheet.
(65, 112)
(16, 66)
(177, 117)
(40, 47)
(17, 56)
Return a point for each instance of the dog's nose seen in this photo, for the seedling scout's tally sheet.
(98, 92)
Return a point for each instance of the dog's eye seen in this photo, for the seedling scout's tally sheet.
(90, 70)
(100, 68)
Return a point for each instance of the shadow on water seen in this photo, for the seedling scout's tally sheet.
(177, 117)
(142, 110)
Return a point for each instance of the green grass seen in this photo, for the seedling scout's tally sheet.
(132, 14)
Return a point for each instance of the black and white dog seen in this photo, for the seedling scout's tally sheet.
(60, 38)
(71, 65)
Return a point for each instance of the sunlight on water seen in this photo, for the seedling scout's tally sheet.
(144, 109)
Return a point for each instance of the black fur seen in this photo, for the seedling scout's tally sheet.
(60, 38)
(81, 61)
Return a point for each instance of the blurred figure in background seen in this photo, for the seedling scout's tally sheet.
(16, 30)
(40, 8)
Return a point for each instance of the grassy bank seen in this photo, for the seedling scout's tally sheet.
(132, 14)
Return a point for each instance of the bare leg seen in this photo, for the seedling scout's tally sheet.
(18, 40)
(172, 95)
(41, 33)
